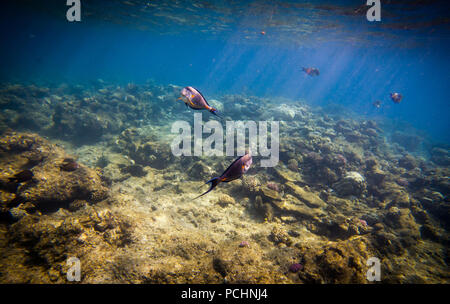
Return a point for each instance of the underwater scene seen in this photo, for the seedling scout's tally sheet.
(211, 142)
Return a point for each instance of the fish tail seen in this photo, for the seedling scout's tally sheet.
(214, 182)
(214, 111)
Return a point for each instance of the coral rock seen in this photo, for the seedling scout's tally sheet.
(225, 200)
(309, 198)
(352, 184)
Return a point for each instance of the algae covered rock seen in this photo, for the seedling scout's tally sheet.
(199, 170)
(293, 164)
(54, 187)
(283, 112)
(376, 176)
(352, 184)
(309, 198)
(45, 243)
(264, 208)
(51, 186)
(246, 265)
(408, 162)
(280, 236)
(343, 262)
(440, 156)
(225, 200)
(287, 175)
(292, 205)
(251, 184)
(269, 194)
(401, 218)
(154, 154)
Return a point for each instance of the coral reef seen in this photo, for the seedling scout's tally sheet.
(103, 186)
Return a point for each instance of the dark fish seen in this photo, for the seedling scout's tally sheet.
(234, 171)
(311, 71)
(377, 104)
(22, 176)
(69, 165)
(396, 97)
(195, 100)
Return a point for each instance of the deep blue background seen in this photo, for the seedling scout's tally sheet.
(43, 48)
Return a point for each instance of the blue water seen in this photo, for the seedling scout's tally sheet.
(45, 48)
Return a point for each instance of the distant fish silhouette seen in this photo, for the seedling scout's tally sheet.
(377, 104)
(396, 97)
(311, 71)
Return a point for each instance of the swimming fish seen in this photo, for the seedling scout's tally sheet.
(234, 171)
(377, 104)
(311, 71)
(396, 97)
(195, 100)
(22, 176)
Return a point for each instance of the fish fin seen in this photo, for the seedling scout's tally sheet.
(227, 180)
(214, 182)
(193, 106)
(215, 112)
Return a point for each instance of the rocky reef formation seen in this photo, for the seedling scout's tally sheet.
(54, 179)
(117, 198)
(51, 213)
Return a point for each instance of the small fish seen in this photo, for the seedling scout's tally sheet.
(195, 100)
(22, 176)
(396, 97)
(263, 33)
(377, 104)
(311, 71)
(234, 171)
